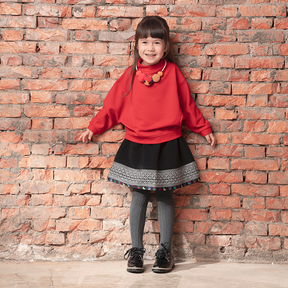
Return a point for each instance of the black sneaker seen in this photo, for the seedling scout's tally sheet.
(164, 260)
(135, 261)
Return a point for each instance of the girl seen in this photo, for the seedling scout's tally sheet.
(152, 100)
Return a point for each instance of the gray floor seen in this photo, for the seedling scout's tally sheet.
(110, 274)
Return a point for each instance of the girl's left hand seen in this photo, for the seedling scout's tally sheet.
(211, 139)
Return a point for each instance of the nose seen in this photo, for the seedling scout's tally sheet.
(151, 47)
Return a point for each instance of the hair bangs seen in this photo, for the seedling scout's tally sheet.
(152, 28)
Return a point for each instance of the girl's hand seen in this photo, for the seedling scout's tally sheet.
(86, 136)
(211, 139)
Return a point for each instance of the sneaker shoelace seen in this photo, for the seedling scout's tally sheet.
(134, 253)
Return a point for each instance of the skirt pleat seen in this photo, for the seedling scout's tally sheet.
(159, 167)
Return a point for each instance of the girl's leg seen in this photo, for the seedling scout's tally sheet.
(138, 209)
(166, 217)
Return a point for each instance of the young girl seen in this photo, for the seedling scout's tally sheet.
(152, 100)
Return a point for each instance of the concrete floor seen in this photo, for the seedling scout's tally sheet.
(112, 274)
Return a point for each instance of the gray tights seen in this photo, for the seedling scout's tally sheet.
(166, 216)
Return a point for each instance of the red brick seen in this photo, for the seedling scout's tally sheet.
(281, 23)
(262, 76)
(256, 228)
(264, 36)
(226, 49)
(12, 35)
(254, 203)
(250, 164)
(254, 126)
(77, 176)
(277, 127)
(278, 230)
(84, 24)
(10, 111)
(46, 111)
(219, 189)
(218, 228)
(261, 139)
(226, 11)
(44, 60)
(78, 98)
(37, 200)
(222, 113)
(10, 9)
(262, 10)
(17, 22)
(193, 10)
(255, 190)
(284, 216)
(263, 113)
(119, 48)
(256, 215)
(46, 10)
(84, 48)
(278, 177)
(108, 213)
(190, 49)
(120, 24)
(154, 10)
(218, 163)
(257, 100)
(51, 73)
(14, 149)
(278, 152)
(42, 124)
(260, 23)
(254, 152)
(237, 23)
(220, 151)
(50, 85)
(48, 22)
(259, 49)
(43, 161)
(223, 62)
(259, 62)
(42, 174)
(225, 75)
(220, 214)
(213, 23)
(6, 84)
(47, 186)
(220, 88)
(283, 191)
(112, 200)
(8, 163)
(10, 137)
(11, 60)
(84, 11)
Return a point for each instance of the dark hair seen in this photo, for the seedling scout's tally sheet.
(155, 27)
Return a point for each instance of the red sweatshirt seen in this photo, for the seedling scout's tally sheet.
(152, 114)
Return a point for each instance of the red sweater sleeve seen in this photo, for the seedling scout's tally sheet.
(112, 106)
(192, 117)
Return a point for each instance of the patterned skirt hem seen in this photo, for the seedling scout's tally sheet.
(155, 188)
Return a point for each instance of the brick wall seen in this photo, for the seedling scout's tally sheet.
(59, 59)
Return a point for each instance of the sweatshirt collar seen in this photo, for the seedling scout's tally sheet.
(150, 68)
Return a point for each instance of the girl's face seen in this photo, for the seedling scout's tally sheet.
(151, 50)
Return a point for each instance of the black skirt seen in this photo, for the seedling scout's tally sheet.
(165, 166)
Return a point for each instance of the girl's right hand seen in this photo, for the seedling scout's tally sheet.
(86, 136)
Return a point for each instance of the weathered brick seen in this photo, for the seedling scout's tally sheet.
(255, 190)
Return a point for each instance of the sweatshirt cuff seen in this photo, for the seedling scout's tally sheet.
(92, 128)
(205, 132)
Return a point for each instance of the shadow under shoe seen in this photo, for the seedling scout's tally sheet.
(135, 260)
(164, 260)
